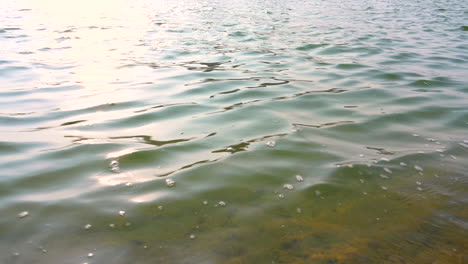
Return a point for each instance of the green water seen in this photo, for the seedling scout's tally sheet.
(233, 131)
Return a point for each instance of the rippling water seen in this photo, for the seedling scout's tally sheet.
(233, 131)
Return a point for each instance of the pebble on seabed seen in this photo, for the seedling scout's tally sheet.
(271, 143)
(205, 202)
(222, 203)
(170, 182)
(122, 213)
(192, 236)
(90, 255)
(88, 226)
(288, 186)
(418, 168)
(387, 170)
(23, 214)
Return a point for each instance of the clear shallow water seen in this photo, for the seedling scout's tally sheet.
(102, 102)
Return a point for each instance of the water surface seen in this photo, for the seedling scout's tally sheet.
(233, 131)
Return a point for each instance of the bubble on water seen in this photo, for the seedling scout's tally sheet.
(122, 213)
(418, 183)
(385, 159)
(361, 155)
(170, 182)
(114, 165)
(160, 207)
(384, 188)
(23, 214)
(350, 166)
(288, 186)
(90, 255)
(418, 168)
(281, 196)
(440, 150)
(453, 157)
(271, 143)
(365, 193)
(384, 176)
(145, 246)
(112, 225)
(222, 203)
(298, 210)
(230, 149)
(192, 236)
(317, 193)
(205, 202)
(299, 178)
(16, 254)
(128, 184)
(415, 135)
(388, 170)
(419, 188)
(88, 226)
(44, 250)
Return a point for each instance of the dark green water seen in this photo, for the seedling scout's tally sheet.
(104, 104)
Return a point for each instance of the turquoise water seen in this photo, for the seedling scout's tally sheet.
(233, 131)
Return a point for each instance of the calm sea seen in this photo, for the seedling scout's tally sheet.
(222, 131)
